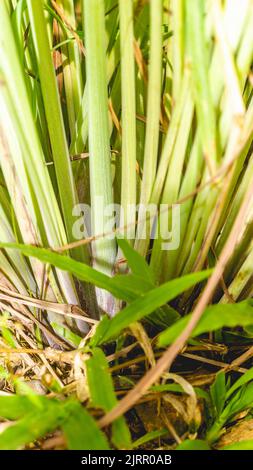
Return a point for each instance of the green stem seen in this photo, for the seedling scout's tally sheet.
(128, 178)
(99, 138)
(54, 117)
(154, 101)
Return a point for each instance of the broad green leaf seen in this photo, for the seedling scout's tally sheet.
(35, 422)
(214, 318)
(173, 387)
(80, 270)
(132, 283)
(100, 332)
(100, 381)
(81, 430)
(238, 403)
(163, 317)
(242, 400)
(241, 445)
(150, 436)
(197, 444)
(218, 392)
(146, 304)
(8, 336)
(66, 333)
(136, 262)
(103, 395)
(14, 407)
(32, 426)
(245, 378)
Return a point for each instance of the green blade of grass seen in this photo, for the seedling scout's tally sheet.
(81, 430)
(32, 426)
(103, 395)
(214, 318)
(128, 176)
(144, 305)
(154, 101)
(54, 117)
(120, 286)
(73, 80)
(99, 141)
(203, 98)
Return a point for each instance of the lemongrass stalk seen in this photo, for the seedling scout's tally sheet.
(142, 244)
(128, 116)
(8, 6)
(9, 235)
(240, 254)
(241, 279)
(80, 136)
(167, 72)
(189, 183)
(54, 116)
(79, 140)
(154, 101)
(234, 20)
(99, 139)
(162, 261)
(235, 108)
(141, 26)
(230, 213)
(11, 274)
(42, 204)
(177, 25)
(198, 53)
(73, 81)
(217, 83)
(24, 206)
(140, 88)
(245, 53)
(27, 229)
(236, 113)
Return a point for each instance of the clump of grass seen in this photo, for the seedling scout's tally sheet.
(139, 104)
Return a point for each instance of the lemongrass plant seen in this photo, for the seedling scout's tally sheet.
(126, 182)
(137, 103)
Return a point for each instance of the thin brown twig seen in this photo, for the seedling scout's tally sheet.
(62, 15)
(70, 310)
(242, 358)
(212, 362)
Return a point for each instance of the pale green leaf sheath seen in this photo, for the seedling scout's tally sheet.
(99, 140)
(153, 110)
(128, 175)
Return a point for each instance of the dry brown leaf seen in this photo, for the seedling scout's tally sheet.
(242, 431)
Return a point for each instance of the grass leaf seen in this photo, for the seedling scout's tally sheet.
(214, 318)
(197, 444)
(33, 425)
(81, 430)
(147, 303)
(103, 395)
(136, 262)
